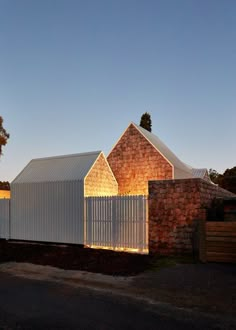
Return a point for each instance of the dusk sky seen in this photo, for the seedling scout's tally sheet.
(74, 74)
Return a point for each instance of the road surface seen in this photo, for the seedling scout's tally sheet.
(32, 304)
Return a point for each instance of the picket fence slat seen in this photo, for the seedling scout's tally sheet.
(117, 222)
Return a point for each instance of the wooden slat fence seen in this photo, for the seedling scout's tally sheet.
(220, 242)
(117, 223)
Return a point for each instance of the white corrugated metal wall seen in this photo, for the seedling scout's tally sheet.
(58, 212)
(4, 218)
(48, 211)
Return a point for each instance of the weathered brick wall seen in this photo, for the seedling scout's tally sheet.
(173, 207)
(100, 181)
(134, 161)
(209, 191)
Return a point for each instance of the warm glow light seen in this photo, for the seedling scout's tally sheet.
(5, 194)
(119, 249)
(100, 194)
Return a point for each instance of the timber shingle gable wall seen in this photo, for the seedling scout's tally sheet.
(140, 156)
(100, 180)
(134, 161)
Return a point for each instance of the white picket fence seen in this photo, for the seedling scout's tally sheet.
(4, 218)
(117, 223)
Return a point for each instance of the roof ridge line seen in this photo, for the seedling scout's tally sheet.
(68, 155)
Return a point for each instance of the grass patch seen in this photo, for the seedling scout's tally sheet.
(161, 262)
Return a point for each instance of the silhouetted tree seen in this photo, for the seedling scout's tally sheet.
(214, 175)
(146, 121)
(4, 136)
(228, 180)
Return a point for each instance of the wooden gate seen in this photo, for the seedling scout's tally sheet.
(218, 242)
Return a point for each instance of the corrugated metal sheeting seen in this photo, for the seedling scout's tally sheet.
(48, 205)
(59, 168)
(114, 222)
(51, 212)
(4, 218)
(47, 202)
(117, 222)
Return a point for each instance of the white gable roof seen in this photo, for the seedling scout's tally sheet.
(181, 170)
(164, 150)
(60, 168)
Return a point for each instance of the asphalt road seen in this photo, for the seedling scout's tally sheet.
(31, 304)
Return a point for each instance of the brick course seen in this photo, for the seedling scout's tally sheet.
(173, 207)
(134, 161)
(100, 181)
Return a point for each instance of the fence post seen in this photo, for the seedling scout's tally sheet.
(9, 220)
(141, 200)
(114, 220)
(202, 240)
(88, 220)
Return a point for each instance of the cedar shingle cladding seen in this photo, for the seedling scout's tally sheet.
(100, 180)
(134, 161)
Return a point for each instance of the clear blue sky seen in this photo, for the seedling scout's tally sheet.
(74, 74)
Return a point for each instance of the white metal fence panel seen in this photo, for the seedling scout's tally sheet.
(49, 212)
(4, 218)
(117, 222)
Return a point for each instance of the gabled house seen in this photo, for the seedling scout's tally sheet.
(140, 156)
(47, 197)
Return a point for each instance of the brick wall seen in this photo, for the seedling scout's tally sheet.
(134, 161)
(173, 207)
(100, 181)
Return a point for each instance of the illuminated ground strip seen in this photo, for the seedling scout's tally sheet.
(141, 251)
